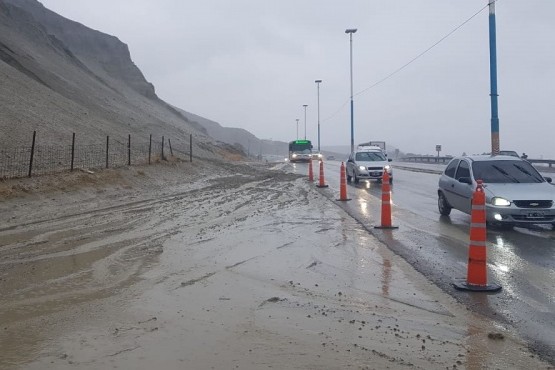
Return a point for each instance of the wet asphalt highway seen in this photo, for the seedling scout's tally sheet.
(521, 260)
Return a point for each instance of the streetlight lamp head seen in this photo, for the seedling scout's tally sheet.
(318, 81)
(305, 105)
(350, 30)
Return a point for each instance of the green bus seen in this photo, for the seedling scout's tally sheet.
(300, 150)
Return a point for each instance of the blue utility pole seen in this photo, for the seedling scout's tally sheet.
(493, 80)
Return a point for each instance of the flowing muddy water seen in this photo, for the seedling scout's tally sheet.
(218, 266)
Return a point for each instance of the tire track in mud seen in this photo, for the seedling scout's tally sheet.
(85, 256)
(51, 264)
(264, 196)
(144, 203)
(87, 251)
(269, 199)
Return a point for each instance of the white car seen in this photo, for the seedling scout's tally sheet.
(516, 193)
(368, 163)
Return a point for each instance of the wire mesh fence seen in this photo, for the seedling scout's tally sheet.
(36, 159)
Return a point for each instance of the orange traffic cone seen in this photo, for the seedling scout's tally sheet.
(342, 184)
(386, 203)
(322, 182)
(310, 173)
(476, 278)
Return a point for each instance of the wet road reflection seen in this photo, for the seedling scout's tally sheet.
(522, 260)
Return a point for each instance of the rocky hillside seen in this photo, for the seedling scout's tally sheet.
(239, 138)
(58, 76)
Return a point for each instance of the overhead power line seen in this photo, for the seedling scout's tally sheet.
(411, 61)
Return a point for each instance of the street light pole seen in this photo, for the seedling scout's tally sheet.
(297, 129)
(350, 31)
(305, 105)
(318, 88)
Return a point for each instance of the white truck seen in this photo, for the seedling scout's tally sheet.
(380, 144)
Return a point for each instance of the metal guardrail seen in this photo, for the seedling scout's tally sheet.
(435, 159)
(542, 165)
(416, 169)
(549, 162)
(426, 159)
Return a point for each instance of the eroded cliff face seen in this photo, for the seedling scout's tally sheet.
(58, 77)
(99, 51)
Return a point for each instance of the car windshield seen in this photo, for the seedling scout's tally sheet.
(505, 172)
(370, 157)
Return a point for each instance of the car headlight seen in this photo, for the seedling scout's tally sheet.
(387, 168)
(498, 201)
(361, 168)
(294, 156)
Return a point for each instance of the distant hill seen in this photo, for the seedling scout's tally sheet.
(238, 137)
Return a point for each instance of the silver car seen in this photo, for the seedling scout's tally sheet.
(516, 193)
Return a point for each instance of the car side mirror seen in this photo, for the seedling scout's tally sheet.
(548, 179)
(465, 180)
(390, 160)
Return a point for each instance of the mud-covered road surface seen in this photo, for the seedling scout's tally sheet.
(209, 265)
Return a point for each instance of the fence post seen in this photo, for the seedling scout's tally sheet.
(163, 148)
(129, 150)
(170, 142)
(72, 151)
(32, 154)
(107, 148)
(190, 147)
(149, 148)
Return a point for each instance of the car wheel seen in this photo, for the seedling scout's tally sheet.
(391, 180)
(443, 205)
(348, 176)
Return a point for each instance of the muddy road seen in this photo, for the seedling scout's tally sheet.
(217, 266)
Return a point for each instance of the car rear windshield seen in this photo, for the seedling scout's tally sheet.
(508, 152)
(370, 156)
(506, 172)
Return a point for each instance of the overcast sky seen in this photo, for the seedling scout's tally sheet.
(252, 64)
